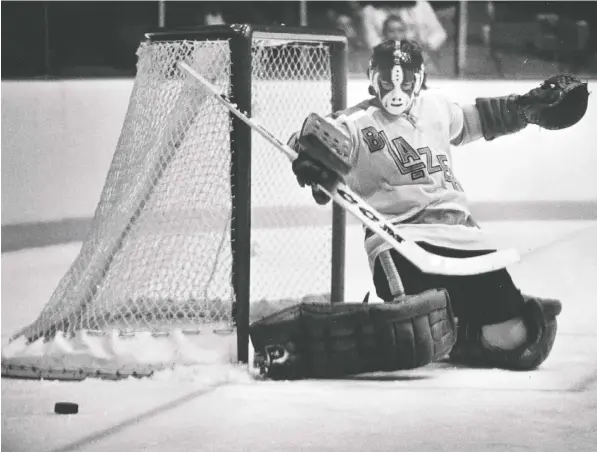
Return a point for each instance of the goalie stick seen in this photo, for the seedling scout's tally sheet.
(351, 202)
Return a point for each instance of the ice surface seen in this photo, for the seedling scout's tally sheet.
(223, 408)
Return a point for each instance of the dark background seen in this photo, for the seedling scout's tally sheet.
(99, 39)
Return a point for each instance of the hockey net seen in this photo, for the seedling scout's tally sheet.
(151, 287)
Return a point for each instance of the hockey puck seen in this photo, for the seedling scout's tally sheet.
(66, 408)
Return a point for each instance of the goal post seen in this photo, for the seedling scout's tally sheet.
(200, 226)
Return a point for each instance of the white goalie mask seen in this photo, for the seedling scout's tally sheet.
(398, 83)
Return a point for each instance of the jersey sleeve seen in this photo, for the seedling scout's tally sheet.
(465, 123)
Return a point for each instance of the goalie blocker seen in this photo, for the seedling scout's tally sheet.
(331, 340)
(324, 153)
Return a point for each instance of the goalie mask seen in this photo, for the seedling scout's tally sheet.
(396, 73)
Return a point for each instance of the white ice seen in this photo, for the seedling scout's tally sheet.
(224, 408)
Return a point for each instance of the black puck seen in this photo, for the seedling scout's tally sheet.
(66, 408)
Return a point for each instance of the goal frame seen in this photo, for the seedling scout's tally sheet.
(240, 37)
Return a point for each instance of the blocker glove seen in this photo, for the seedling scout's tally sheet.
(309, 171)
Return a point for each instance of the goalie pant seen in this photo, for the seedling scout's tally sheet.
(331, 340)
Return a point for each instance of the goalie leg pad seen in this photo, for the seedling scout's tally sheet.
(332, 340)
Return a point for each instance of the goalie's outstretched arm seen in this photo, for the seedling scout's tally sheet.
(558, 103)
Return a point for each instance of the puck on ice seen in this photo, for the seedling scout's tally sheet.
(66, 408)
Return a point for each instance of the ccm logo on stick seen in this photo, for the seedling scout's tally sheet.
(348, 197)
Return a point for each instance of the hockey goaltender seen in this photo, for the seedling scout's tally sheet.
(399, 160)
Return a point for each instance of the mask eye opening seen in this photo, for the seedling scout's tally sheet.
(408, 86)
(386, 85)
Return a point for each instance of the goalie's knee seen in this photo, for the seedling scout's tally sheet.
(322, 340)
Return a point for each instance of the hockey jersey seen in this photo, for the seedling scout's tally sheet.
(402, 166)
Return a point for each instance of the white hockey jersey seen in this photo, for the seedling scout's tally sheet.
(403, 168)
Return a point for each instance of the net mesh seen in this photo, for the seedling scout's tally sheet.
(159, 252)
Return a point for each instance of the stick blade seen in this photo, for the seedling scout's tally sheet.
(451, 266)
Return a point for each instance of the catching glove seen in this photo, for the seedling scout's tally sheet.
(560, 102)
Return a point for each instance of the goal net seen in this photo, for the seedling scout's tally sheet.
(154, 284)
